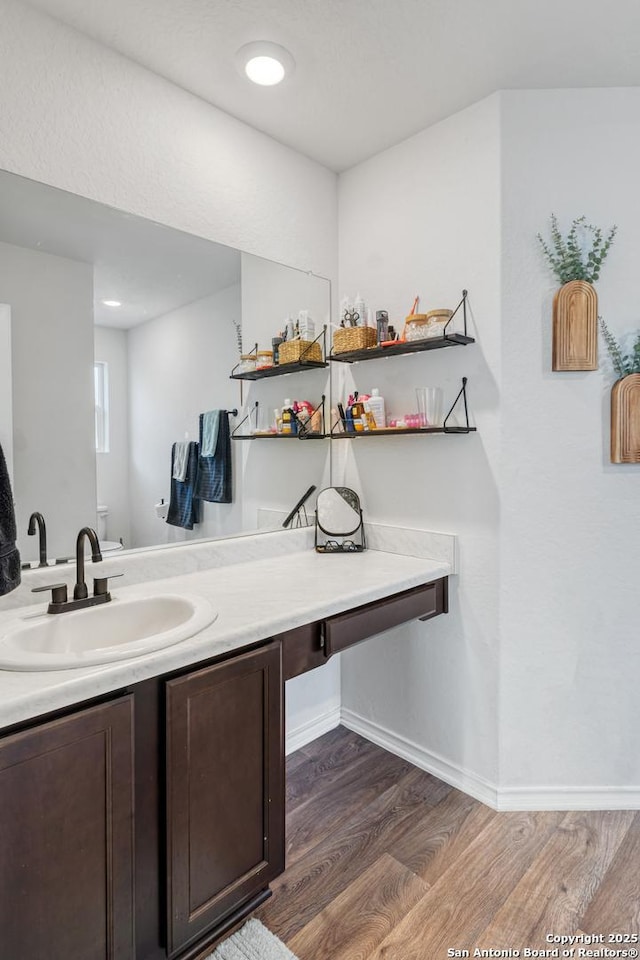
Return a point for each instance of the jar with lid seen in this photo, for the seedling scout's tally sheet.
(247, 363)
(264, 359)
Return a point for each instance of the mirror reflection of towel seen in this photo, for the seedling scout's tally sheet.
(184, 509)
(215, 481)
(9, 556)
(180, 460)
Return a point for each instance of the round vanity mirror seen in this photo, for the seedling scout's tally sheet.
(338, 511)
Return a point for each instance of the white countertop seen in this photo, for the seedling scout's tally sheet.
(255, 600)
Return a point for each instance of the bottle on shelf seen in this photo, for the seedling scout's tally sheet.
(375, 406)
(289, 422)
(360, 308)
(382, 325)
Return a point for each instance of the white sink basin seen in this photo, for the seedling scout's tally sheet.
(112, 631)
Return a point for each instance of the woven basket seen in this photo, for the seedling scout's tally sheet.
(354, 338)
(295, 351)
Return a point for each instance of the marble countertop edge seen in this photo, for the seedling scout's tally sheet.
(255, 600)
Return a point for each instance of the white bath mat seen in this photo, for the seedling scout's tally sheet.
(252, 942)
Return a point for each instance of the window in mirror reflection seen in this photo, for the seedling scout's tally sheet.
(101, 386)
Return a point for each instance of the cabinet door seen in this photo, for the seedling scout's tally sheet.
(66, 838)
(225, 796)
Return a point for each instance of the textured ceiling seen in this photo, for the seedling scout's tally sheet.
(369, 72)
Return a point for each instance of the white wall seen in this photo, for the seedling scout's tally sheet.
(525, 694)
(51, 301)
(112, 468)
(423, 217)
(81, 117)
(179, 368)
(570, 546)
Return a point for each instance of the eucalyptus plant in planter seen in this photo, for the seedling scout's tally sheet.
(576, 261)
(625, 399)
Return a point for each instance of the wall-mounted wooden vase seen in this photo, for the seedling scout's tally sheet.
(575, 327)
(625, 420)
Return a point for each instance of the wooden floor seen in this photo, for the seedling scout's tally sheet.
(385, 862)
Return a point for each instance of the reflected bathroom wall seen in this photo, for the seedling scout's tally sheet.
(169, 347)
(179, 366)
(54, 466)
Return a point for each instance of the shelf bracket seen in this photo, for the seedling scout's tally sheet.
(461, 395)
(247, 416)
(463, 304)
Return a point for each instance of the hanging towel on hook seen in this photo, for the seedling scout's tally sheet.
(184, 508)
(180, 460)
(9, 556)
(209, 438)
(215, 481)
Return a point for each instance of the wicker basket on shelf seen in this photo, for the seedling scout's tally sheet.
(354, 338)
(299, 351)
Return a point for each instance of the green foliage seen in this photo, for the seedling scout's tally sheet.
(580, 256)
(623, 363)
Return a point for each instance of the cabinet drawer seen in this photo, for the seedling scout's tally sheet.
(301, 650)
(347, 629)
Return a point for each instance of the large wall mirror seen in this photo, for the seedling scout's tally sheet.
(116, 333)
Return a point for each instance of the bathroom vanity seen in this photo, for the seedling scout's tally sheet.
(143, 811)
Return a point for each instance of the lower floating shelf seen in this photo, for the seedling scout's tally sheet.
(281, 436)
(399, 432)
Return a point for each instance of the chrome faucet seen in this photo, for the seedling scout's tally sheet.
(37, 518)
(59, 602)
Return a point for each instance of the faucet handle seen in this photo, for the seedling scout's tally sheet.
(58, 591)
(100, 584)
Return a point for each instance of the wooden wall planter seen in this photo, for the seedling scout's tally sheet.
(625, 420)
(575, 327)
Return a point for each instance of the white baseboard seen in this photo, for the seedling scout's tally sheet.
(462, 779)
(507, 798)
(305, 733)
(569, 798)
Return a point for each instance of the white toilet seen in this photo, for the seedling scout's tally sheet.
(106, 546)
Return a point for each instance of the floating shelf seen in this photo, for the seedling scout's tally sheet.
(401, 349)
(414, 431)
(280, 370)
(281, 436)
(399, 432)
(304, 433)
(297, 366)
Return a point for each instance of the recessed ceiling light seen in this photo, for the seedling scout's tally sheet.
(264, 62)
(112, 303)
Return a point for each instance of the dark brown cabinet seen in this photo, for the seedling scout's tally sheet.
(206, 782)
(66, 837)
(206, 842)
(225, 790)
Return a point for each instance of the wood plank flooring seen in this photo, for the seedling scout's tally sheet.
(385, 862)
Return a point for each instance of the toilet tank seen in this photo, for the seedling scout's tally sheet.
(102, 512)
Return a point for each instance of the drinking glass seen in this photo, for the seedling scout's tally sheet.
(429, 406)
